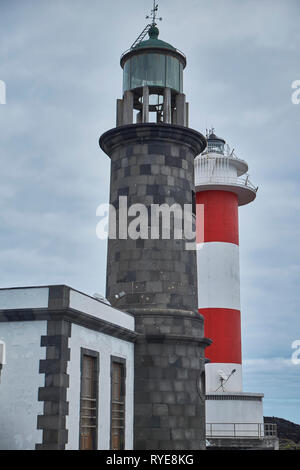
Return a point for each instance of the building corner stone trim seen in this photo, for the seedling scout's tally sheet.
(54, 393)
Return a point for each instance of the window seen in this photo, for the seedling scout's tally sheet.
(89, 400)
(118, 374)
(215, 146)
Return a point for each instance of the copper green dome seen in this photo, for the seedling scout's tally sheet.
(153, 41)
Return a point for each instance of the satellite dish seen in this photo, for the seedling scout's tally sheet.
(224, 378)
(101, 298)
(222, 375)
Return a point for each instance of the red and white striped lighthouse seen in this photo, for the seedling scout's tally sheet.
(221, 187)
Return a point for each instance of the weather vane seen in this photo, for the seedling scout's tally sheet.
(154, 18)
(153, 14)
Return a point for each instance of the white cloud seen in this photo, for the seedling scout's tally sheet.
(269, 365)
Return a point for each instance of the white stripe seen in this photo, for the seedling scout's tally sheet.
(218, 275)
(214, 372)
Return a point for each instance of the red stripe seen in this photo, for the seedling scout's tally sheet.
(220, 217)
(223, 326)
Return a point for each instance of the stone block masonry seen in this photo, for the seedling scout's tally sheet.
(159, 160)
(154, 164)
(169, 363)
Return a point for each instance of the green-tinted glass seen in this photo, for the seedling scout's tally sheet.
(153, 69)
(173, 73)
(126, 76)
(148, 69)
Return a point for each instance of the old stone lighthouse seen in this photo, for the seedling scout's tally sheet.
(152, 163)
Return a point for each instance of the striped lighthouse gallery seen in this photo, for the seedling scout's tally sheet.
(222, 185)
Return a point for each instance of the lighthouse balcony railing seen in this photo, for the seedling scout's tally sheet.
(241, 430)
(226, 151)
(226, 180)
(136, 43)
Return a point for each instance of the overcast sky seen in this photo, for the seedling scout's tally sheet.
(60, 62)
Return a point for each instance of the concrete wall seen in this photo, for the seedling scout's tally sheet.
(213, 383)
(107, 346)
(246, 413)
(20, 380)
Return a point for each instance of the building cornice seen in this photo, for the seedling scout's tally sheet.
(71, 315)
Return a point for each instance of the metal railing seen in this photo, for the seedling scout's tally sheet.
(170, 51)
(216, 179)
(218, 170)
(88, 413)
(226, 152)
(241, 430)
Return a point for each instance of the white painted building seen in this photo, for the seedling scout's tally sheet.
(66, 364)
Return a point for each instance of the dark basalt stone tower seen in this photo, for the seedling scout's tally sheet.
(153, 163)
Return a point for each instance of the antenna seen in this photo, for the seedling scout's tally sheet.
(154, 14)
